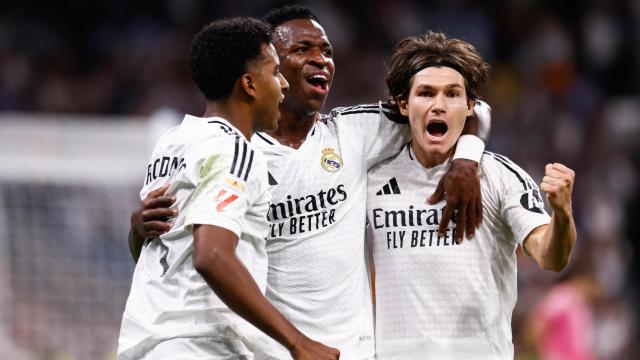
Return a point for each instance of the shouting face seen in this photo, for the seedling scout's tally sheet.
(437, 107)
(306, 58)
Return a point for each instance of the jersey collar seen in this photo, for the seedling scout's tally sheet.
(190, 119)
(437, 170)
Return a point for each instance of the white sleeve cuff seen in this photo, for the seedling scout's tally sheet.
(469, 147)
(483, 113)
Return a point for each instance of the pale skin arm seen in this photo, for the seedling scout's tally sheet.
(550, 245)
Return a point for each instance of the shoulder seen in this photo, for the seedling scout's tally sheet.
(372, 111)
(392, 164)
(218, 131)
(508, 179)
(354, 111)
(246, 158)
(234, 160)
(227, 149)
(205, 131)
(497, 165)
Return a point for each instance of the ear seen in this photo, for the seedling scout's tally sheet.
(402, 106)
(248, 84)
(471, 103)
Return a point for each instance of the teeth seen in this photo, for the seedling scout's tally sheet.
(320, 77)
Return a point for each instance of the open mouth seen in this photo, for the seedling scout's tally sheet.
(437, 128)
(319, 81)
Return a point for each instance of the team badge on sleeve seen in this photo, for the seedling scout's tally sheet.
(531, 199)
(330, 161)
(228, 192)
(224, 198)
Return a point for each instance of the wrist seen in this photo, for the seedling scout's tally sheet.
(563, 214)
(292, 342)
(132, 225)
(466, 164)
(469, 147)
(133, 233)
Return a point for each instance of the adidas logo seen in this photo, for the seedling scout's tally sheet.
(391, 187)
(272, 180)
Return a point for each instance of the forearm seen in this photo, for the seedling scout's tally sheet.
(235, 286)
(557, 242)
(135, 245)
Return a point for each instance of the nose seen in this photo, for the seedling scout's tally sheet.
(284, 84)
(439, 106)
(318, 58)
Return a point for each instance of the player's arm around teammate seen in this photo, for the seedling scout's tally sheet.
(460, 185)
(151, 219)
(550, 245)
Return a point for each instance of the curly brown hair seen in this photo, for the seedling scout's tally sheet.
(415, 53)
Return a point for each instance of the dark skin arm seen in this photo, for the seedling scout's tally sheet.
(215, 259)
(150, 219)
(460, 187)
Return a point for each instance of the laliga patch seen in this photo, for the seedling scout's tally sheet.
(330, 161)
(532, 201)
(235, 183)
(224, 198)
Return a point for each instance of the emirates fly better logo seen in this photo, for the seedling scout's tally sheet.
(330, 161)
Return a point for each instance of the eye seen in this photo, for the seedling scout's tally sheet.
(425, 93)
(328, 53)
(453, 93)
(301, 50)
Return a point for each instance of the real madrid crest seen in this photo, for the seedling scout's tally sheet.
(330, 161)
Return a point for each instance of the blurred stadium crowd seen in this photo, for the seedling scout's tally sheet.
(565, 88)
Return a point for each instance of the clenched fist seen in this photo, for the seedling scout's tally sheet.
(307, 349)
(558, 185)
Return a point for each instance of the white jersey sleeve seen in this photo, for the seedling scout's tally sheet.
(218, 178)
(383, 129)
(222, 195)
(522, 207)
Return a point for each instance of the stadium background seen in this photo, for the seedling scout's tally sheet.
(85, 86)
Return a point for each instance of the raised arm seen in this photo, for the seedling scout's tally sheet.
(551, 245)
(215, 259)
(150, 219)
(460, 186)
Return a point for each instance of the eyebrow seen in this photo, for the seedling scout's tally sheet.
(311, 43)
(453, 85)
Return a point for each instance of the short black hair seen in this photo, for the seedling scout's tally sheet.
(282, 14)
(221, 51)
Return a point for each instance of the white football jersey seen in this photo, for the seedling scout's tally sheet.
(317, 273)
(219, 179)
(436, 299)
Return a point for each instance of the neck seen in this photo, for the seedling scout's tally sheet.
(429, 159)
(293, 128)
(235, 113)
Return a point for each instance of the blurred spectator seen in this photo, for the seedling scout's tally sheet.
(561, 325)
